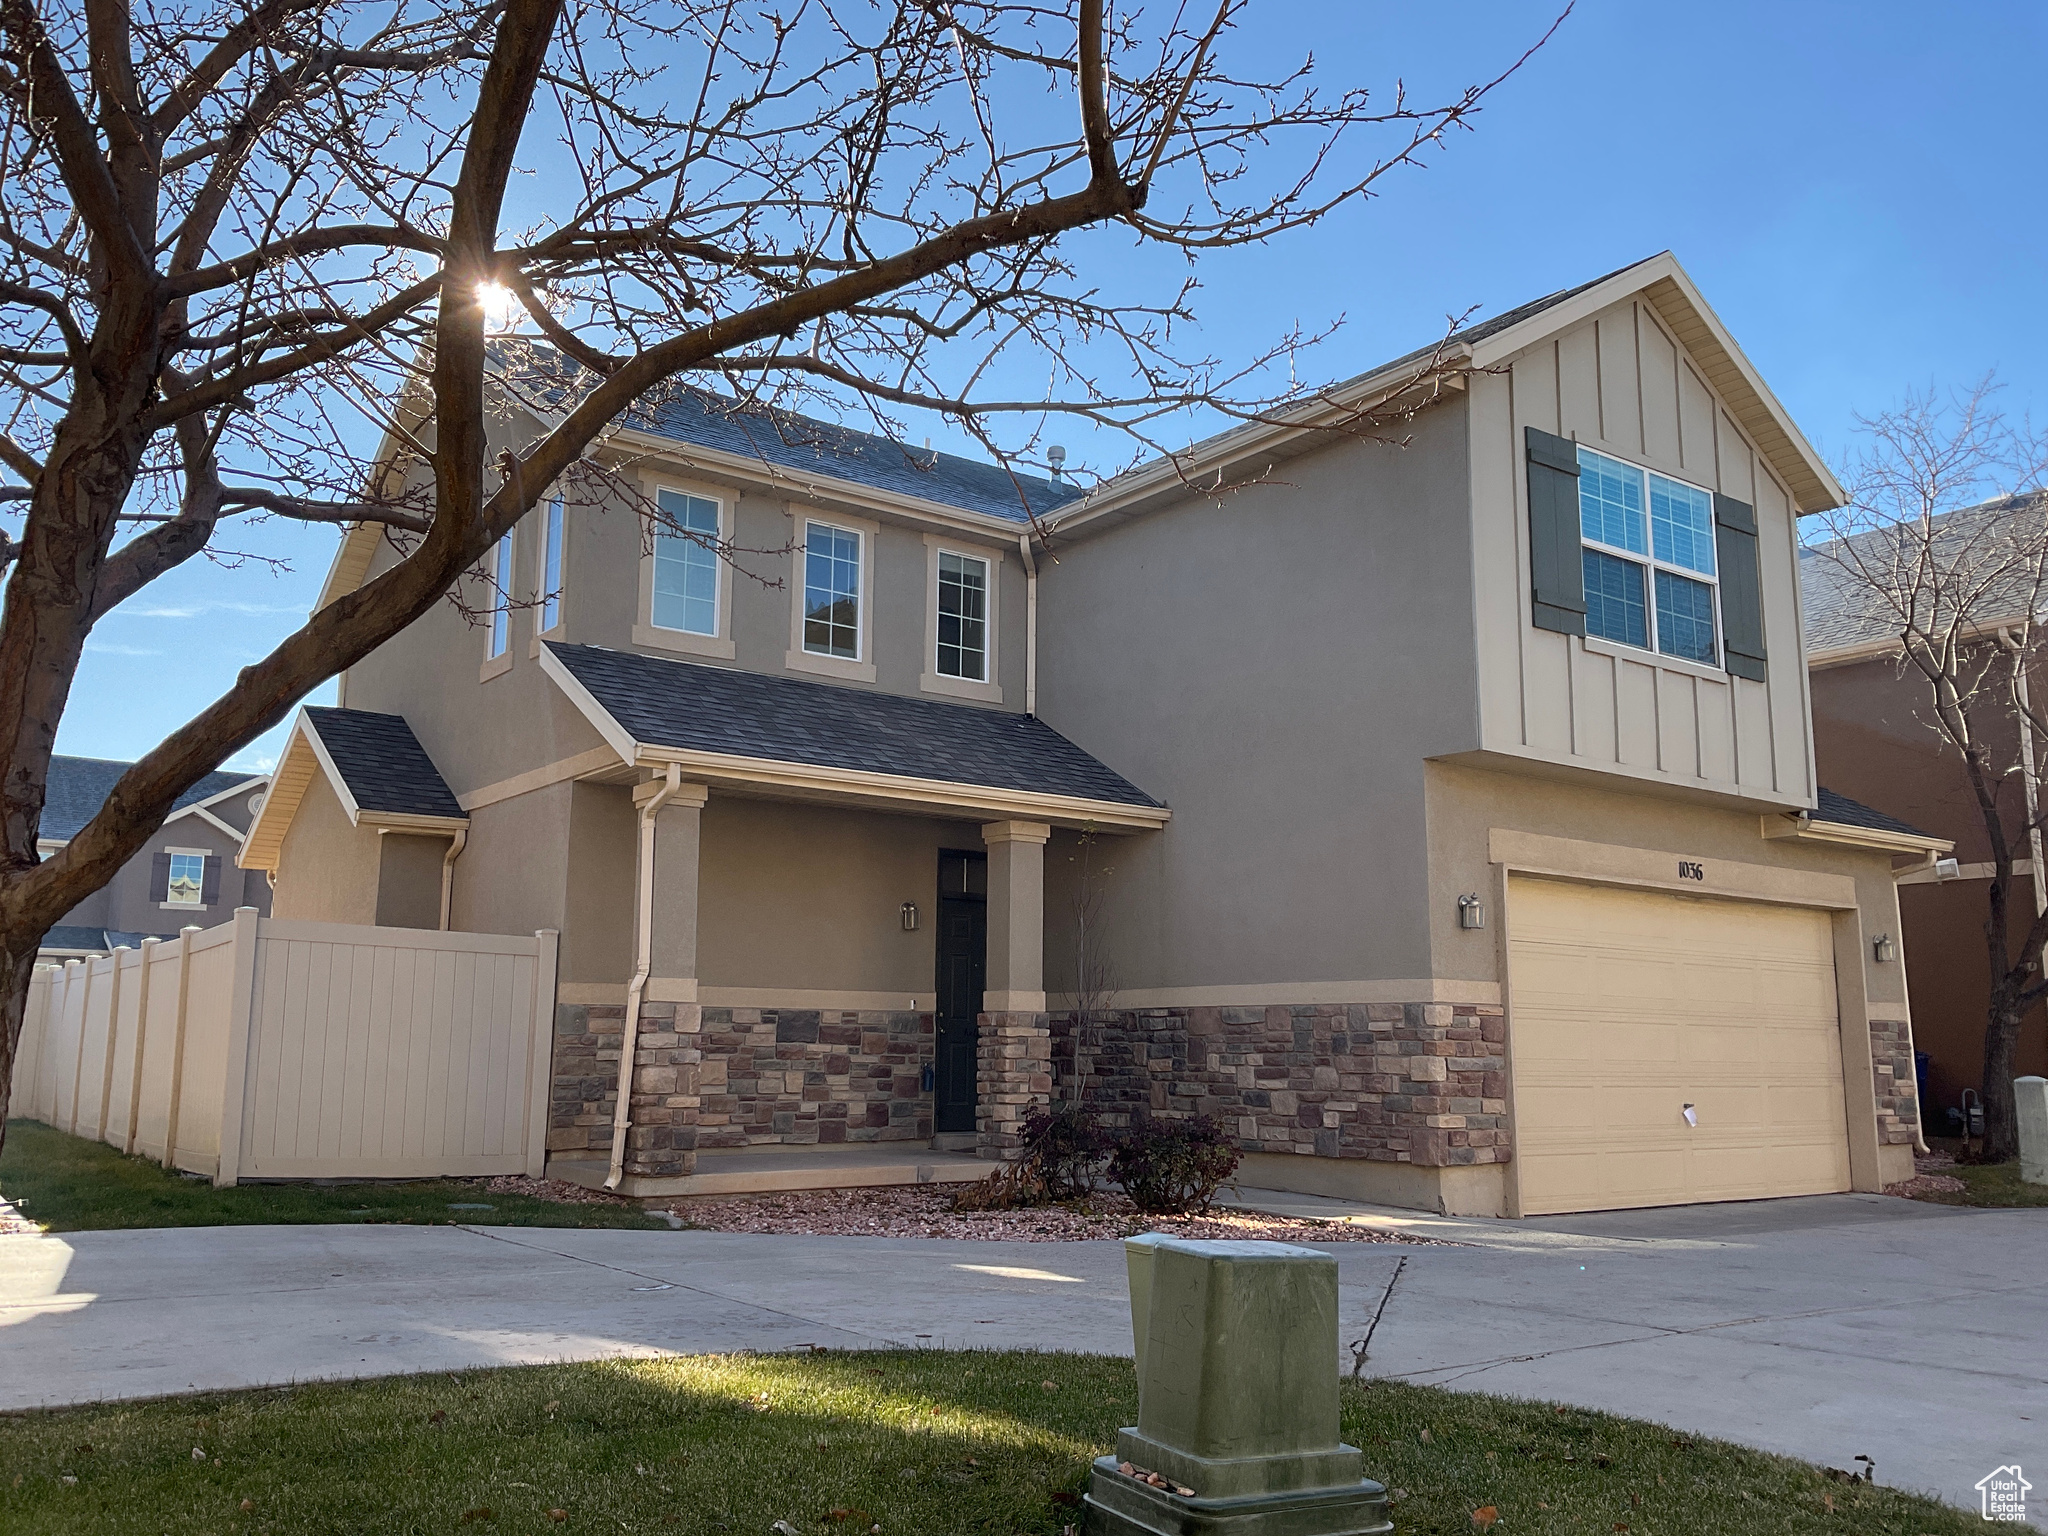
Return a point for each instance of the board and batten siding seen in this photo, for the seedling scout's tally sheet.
(273, 1049)
(1620, 383)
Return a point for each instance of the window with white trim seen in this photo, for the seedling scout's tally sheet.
(685, 564)
(1648, 549)
(187, 885)
(552, 533)
(501, 596)
(963, 617)
(831, 591)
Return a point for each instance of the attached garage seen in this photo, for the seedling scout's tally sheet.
(1627, 1005)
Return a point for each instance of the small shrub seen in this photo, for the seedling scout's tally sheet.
(1063, 1148)
(1171, 1166)
(1068, 1147)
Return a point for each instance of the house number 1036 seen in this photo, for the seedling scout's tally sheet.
(1687, 870)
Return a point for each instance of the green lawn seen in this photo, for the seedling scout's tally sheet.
(70, 1184)
(1992, 1184)
(917, 1443)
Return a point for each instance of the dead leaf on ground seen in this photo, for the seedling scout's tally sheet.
(552, 1406)
(437, 1416)
(1829, 1500)
(558, 1515)
(481, 1512)
(1425, 1437)
(1485, 1516)
(1050, 1386)
(1621, 1525)
(248, 1506)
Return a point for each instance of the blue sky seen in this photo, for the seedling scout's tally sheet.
(1855, 189)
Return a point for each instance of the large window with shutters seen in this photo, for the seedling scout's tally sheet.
(1648, 559)
(1621, 553)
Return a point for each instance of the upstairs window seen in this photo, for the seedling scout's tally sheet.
(188, 880)
(686, 563)
(963, 617)
(831, 591)
(1648, 551)
(551, 567)
(501, 597)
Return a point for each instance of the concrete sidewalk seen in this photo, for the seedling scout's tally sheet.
(1823, 1328)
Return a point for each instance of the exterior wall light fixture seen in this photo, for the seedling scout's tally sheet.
(910, 917)
(1471, 912)
(1881, 946)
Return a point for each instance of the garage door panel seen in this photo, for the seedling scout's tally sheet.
(1627, 1005)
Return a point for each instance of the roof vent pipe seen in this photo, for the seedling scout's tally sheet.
(643, 912)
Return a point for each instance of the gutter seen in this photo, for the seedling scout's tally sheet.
(622, 1111)
(455, 846)
(1030, 623)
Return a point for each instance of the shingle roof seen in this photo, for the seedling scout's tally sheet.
(702, 417)
(1844, 812)
(1844, 609)
(791, 720)
(75, 936)
(383, 763)
(79, 786)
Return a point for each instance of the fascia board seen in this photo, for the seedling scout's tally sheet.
(199, 809)
(1806, 829)
(1297, 432)
(240, 787)
(615, 735)
(926, 794)
(1864, 650)
(411, 821)
(334, 778)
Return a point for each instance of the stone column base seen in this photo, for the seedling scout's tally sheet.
(661, 1140)
(1117, 1505)
(1013, 1076)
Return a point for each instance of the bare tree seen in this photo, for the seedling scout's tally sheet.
(242, 245)
(1943, 549)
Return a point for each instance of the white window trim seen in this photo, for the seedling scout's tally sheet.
(651, 635)
(193, 906)
(498, 586)
(933, 680)
(1651, 565)
(540, 565)
(860, 669)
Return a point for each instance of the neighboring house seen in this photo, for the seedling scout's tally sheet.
(187, 875)
(1448, 810)
(1872, 740)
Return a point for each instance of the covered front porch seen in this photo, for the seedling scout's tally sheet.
(837, 970)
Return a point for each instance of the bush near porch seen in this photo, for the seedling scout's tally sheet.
(920, 1443)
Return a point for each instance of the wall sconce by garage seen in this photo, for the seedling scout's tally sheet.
(1947, 869)
(1471, 912)
(1881, 946)
(910, 917)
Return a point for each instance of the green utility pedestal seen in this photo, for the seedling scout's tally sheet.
(1237, 1400)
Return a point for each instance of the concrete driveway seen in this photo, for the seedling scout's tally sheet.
(1824, 1328)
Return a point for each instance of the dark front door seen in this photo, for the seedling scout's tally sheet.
(963, 970)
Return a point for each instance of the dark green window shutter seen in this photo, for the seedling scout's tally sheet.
(160, 877)
(1742, 596)
(1557, 570)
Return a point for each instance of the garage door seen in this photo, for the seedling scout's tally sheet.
(1629, 1005)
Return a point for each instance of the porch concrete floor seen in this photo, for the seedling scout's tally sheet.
(764, 1169)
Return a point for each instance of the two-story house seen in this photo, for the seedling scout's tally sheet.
(1443, 814)
(188, 875)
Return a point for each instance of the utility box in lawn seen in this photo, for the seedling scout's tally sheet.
(1236, 1346)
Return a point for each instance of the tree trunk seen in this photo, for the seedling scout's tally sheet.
(17, 969)
(2001, 1040)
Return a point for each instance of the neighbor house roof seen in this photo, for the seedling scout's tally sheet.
(774, 731)
(1848, 611)
(1841, 811)
(376, 767)
(79, 786)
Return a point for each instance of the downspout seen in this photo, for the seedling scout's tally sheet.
(622, 1111)
(455, 845)
(1030, 624)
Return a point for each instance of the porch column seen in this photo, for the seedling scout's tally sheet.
(1013, 1068)
(1016, 916)
(661, 1141)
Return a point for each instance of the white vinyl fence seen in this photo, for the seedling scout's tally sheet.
(279, 1050)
